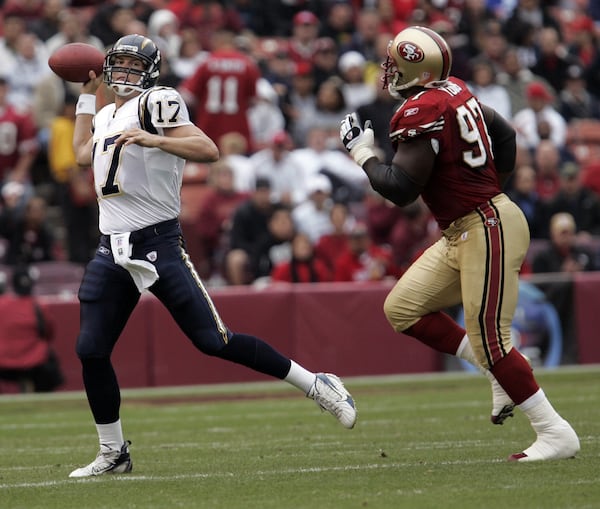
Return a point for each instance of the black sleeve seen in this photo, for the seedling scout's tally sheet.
(392, 182)
(504, 142)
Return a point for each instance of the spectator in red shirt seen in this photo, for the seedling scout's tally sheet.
(26, 355)
(363, 260)
(214, 218)
(331, 245)
(19, 143)
(222, 89)
(303, 267)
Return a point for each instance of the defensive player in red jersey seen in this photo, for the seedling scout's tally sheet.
(456, 153)
(222, 89)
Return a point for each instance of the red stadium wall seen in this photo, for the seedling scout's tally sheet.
(335, 327)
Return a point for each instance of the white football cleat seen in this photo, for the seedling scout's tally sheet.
(558, 441)
(107, 462)
(329, 393)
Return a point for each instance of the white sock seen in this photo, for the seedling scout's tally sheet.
(300, 377)
(110, 436)
(539, 411)
(465, 352)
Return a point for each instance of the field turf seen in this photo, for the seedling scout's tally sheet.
(421, 442)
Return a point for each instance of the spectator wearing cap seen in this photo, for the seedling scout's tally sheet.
(275, 163)
(577, 200)
(312, 217)
(539, 120)
(305, 31)
(574, 100)
(356, 90)
(265, 117)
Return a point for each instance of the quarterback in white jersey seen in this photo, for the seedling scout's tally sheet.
(137, 147)
(148, 191)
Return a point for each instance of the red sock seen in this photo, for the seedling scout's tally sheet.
(515, 376)
(438, 331)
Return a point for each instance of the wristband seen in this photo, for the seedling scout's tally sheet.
(86, 105)
(362, 153)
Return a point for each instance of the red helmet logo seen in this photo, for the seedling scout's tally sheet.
(410, 52)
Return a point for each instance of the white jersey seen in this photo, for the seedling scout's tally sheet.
(137, 186)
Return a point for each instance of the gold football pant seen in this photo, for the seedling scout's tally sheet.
(476, 263)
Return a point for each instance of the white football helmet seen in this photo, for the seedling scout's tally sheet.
(416, 57)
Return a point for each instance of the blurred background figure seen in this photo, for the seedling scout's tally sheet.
(222, 89)
(26, 333)
(73, 186)
(28, 232)
(364, 261)
(563, 254)
(213, 224)
(303, 267)
(539, 120)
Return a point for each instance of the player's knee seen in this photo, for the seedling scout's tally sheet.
(209, 343)
(398, 320)
(90, 347)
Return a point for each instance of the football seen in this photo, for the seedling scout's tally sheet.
(74, 61)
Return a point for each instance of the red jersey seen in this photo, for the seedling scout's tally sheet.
(224, 86)
(17, 136)
(464, 174)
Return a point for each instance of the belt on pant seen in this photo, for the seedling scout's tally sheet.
(151, 231)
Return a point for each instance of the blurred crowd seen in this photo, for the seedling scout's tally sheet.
(285, 202)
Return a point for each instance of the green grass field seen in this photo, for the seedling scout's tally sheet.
(420, 442)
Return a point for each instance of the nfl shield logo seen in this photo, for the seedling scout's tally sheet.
(152, 256)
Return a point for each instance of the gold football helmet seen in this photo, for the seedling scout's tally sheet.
(417, 56)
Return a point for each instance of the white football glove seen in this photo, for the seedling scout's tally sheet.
(358, 141)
